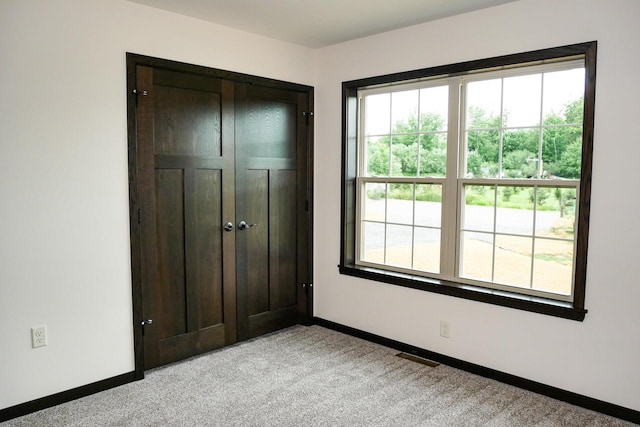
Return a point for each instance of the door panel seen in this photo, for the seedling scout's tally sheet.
(170, 287)
(257, 240)
(186, 169)
(208, 287)
(270, 152)
(186, 121)
(282, 238)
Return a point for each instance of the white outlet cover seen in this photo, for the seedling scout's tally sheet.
(39, 336)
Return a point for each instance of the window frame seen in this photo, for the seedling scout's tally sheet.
(573, 309)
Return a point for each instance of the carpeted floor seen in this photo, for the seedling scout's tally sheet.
(312, 376)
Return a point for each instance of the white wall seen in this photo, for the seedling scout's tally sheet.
(64, 224)
(64, 243)
(598, 357)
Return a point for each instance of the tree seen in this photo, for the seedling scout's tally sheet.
(520, 164)
(417, 146)
(570, 163)
(404, 148)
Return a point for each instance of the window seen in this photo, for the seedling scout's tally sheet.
(473, 179)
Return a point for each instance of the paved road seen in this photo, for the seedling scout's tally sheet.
(477, 218)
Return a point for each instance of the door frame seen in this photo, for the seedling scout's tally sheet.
(133, 60)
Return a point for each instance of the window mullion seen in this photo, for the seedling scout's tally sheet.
(450, 208)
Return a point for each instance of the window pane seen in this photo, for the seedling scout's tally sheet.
(522, 100)
(404, 111)
(483, 152)
(428, 205)
(515, 210)
(377, 161)
(426, 252)
(553, 266)
(513, 261)
(478, 213)
(433, 154)
(558, 218)
(373, 208)
(377, 118)
(404, 152)
(563, 94)
(520, 153)
(400, 204)
(434, 108)
(372, 242)
(483, 104)
(562, 152)
(476, 256)
(399, 245)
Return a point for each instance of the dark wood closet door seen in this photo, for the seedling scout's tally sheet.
(271, 192)
(186, 192)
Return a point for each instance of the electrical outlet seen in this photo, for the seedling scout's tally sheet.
(39, 336)
(445, 329)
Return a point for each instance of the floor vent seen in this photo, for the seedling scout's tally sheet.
(418, 359)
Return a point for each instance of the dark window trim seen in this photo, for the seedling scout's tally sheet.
(573, 310)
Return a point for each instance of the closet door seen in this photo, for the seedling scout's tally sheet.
(220, 191)
(271, 198)
(186, 191)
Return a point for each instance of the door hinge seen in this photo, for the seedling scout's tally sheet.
(139, 216)
(139, 92)
(145, 323)
(306, 205)
(307, 114)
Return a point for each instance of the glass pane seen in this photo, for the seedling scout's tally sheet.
(563, 95)
(372, 249)
(400, 203)
(426, 250)
(433, 154)
(562, 152)
(373, 208)
(478, 213)
(515, 210)
(522, 103)
(513, 261)
(559, 215)
(404, 111)
(428, 208)
(404, 155)
(483, 104)
(553, 266)
(434, 108)
(399, 245)
(520, 153)
(377, 119)
(476, 256)
(378, 156)
(483, 152)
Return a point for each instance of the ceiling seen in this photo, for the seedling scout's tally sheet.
(322, 22)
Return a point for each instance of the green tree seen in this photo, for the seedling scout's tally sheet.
(378, 157)
(556, 140)
(520, 164)
(570, 163)
(483, 139)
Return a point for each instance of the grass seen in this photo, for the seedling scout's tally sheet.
(508, 196)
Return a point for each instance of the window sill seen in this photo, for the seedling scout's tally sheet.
(475, 293)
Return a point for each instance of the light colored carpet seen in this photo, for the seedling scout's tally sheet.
(312, 376)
